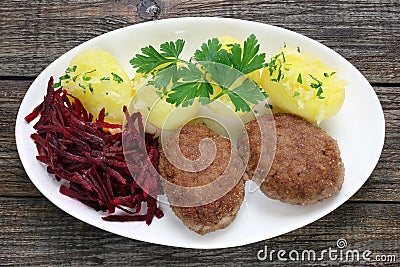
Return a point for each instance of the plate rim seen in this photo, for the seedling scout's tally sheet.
(20, 140)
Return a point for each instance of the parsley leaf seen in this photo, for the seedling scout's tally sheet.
(183, 93)
(223, 75)
(247, 60)
(192, 84)
(240, 95)
(224, 57)
(209, 51)
(164, 77)
(247, 92)
(171, 49)
(204, 92)
(204, 89)
(151, 58)
(149, 61)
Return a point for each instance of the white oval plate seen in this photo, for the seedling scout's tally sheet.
(358, 127)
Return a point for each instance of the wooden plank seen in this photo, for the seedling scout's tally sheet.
(386, 175)
(12, 174)
(381, 186)
(35, 33)
(34, 232)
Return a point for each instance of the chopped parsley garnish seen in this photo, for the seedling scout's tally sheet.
(319, 92)
(90, 71)
(283, 56)
(276, 63)
(116, 78)
(90, 88)
(329, 74)
(57, 84)
(67, 77)
(317, 85)
(86, 78)
(267, 105)
(299, 79)
(191, 79)
(69, 70)
(277, 67)
(278, 77)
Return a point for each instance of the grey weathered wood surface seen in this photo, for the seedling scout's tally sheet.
(34, 232)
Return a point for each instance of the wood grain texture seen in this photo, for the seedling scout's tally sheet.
(38, 233)
(33, 232)
(365, 32)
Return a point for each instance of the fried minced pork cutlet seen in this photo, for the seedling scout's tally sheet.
(307, 166)
(217, 214)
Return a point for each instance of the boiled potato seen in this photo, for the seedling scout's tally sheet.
(158, 112)
(226, 40)
(99, 81)
(301, 84)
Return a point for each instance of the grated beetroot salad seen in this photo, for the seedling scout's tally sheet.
(93, 161)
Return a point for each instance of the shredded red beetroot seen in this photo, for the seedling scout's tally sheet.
(94, 162)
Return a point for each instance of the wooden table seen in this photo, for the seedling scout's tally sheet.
(34, 33)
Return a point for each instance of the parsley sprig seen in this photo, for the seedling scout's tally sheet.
(152, 59)
(181, 81)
